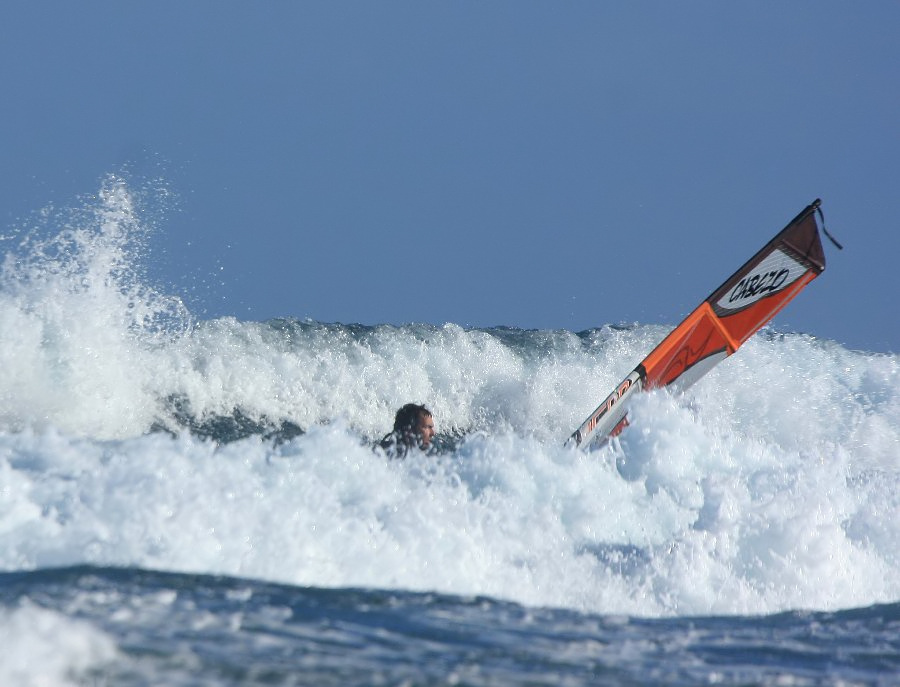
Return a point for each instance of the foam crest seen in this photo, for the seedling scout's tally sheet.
(79, 323)
(310, 373)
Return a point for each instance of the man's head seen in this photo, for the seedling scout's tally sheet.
(415, 425)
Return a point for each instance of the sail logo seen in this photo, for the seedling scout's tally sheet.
(777, 271)
(759, 284)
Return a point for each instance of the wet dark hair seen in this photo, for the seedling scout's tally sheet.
(407, 418)
(405, 434)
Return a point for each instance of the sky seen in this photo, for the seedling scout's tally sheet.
(552, 165)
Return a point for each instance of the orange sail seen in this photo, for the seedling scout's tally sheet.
(739, 307)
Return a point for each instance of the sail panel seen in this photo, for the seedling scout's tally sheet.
(720, 324)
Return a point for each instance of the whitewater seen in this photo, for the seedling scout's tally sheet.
(138, 439)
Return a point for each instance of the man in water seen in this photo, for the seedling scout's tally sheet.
(413, 428)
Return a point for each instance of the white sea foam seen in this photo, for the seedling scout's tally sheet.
(694, 519)
(79, 326)
(771, 484)
(44, 648)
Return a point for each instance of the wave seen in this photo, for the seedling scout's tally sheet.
(134, 434)
(176, 629)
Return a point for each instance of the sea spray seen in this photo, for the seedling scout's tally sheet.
(79, 324)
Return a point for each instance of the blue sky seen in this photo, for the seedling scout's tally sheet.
(531, 164)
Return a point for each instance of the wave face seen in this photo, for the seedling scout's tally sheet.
(114, 626)
(134, 434)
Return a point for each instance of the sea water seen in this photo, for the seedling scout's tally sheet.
(198, 502)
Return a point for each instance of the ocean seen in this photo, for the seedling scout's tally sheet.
(191, 501)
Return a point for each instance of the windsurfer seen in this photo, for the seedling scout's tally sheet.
(413, 428)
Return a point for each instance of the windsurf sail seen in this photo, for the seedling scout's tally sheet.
(732, 314)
